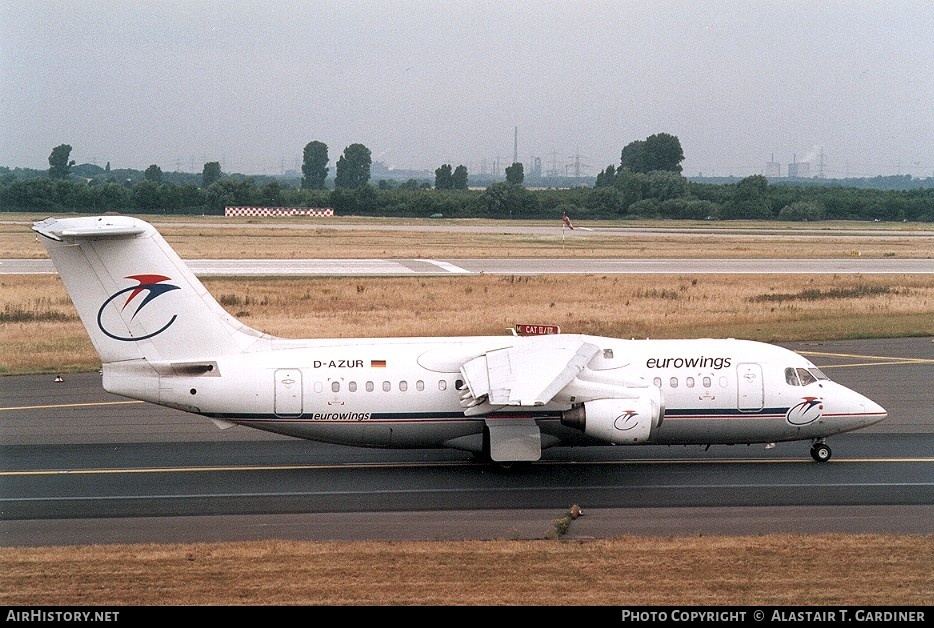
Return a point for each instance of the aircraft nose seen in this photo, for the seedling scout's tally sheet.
(872, 411)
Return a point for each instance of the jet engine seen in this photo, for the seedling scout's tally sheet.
(619, 421)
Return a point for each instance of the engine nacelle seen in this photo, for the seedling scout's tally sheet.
(619, 421)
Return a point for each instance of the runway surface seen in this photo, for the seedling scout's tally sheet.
(81, 466)
(403, 267)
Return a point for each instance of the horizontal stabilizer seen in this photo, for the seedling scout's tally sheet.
(102, 228)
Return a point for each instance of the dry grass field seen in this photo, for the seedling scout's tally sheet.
(808, 571)
(215, 237)
(39, 332)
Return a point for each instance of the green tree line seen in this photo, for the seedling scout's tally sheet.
(647, 184)
(633, 195)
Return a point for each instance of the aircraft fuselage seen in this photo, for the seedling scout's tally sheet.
(405, 392)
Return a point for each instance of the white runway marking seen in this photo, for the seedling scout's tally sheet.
(523, 266)
(451, 268)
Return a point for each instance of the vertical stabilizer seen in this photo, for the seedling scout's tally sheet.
(135, 295)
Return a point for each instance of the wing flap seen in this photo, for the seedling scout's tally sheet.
(527, 374)
(514, 440)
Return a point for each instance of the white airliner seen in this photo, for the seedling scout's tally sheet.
(162, 338)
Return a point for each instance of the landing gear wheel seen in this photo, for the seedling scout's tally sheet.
(820, 452)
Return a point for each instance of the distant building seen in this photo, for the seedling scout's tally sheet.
(799, 170)
(773, 168)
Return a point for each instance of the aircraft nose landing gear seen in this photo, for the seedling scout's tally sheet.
(820, 451)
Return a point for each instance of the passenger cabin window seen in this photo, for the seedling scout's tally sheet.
(419, 385)
(403, 385)
(369, 387)
(352, 386)
(442, 384)
(335, 386)
(387, 386)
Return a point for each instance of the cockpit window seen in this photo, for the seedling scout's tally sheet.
(803, 377)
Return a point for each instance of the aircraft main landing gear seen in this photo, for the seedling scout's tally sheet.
(820, 451)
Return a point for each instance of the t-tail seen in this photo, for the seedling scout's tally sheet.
(140, 303)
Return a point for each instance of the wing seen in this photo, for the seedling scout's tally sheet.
(530, 373)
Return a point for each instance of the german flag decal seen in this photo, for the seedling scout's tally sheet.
(378, 364)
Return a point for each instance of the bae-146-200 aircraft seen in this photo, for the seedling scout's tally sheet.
(162, 338)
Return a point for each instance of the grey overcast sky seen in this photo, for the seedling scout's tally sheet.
(427, 82)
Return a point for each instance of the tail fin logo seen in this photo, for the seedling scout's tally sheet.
(153, 288)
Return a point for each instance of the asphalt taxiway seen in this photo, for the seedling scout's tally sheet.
(81, 466)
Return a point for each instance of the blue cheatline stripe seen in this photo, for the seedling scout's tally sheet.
(723, 413)
(376, 417)
(397, 417)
